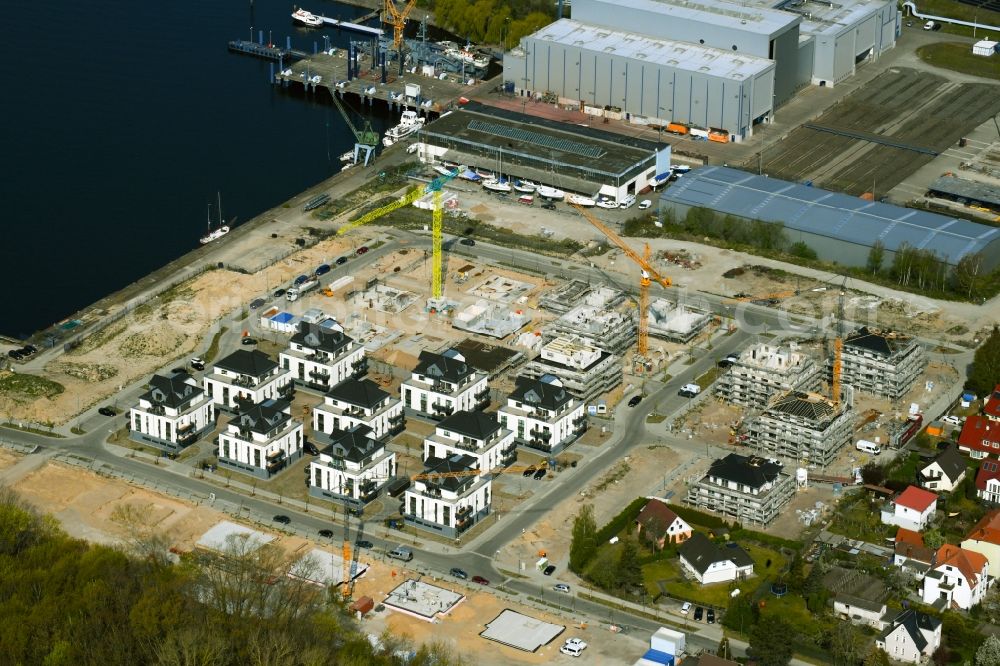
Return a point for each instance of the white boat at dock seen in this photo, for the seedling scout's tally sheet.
(409, 123)
(348, 156)
(580, 200)
(218, 232)
(307, 19)
(525, 186)
(552, 193)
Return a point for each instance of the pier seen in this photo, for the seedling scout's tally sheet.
(266, 51)
(355, 27)
(436, 94)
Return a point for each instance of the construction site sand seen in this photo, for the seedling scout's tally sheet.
(551, 534)
(154, 335)
(8, 459)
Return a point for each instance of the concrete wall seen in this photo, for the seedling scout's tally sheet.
(785, 53)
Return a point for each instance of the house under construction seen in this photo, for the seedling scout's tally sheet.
(881, 362)
(676, 322)
(597, 322)
(802, 426)
(765, 370)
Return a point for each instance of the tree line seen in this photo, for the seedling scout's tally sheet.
(65, 602)
(492, 21)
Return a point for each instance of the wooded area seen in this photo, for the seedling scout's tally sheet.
(65, 602)
(492, 21)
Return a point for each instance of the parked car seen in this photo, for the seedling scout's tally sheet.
(458, 573)
(278, 293)
(698, 613)
(685, 607)
(549, 570)
(480, 580)
(929, 25)
(248, 341)
(710, 616)
(300, 279)
(952, 419)
(31, 349)
(528, 472)
(689, 390)
(607, 203)
(561, 587)
(197, 364)
(107, 411)
(311, 449)
(15, 354)
(256, 303)
(322, 269)
(361, 250)
(364, 543)
(467, 241)
(540, 473)
(401, 553)
(627, 202)
(341, 261)
(634, 400)
(729, 360)
(326, 534)
(644, 204)
(548, 205)
(573, 647)
(281, 518)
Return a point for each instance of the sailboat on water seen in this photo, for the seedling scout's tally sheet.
(221, 230)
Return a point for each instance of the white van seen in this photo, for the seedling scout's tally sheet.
(627, 202)
(401, 553)
(868, 447)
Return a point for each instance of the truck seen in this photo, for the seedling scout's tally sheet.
(401, 553)
(300, 290)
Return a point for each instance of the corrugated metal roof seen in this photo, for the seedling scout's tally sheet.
(681, 55)
(733, 15)
(830, 214)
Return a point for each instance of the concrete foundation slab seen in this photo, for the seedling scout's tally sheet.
(422, 600)
(521, 631)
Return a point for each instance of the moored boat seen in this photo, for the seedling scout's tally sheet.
(409, 123)
(307, 19)
(220, 231)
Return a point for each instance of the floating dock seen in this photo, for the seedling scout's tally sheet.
(266, 51)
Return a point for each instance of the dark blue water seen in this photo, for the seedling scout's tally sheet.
(119, 121)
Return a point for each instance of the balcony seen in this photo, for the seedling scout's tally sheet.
(539, 444)
(463, 511)
(544, 435)
(274, 455)
(482, 395)
(356, 412)
(398, 417)
(246, 381)
(442, 409)
(442, 387)
(321, 375)
(580, 420)
(287, 392)
(157, 410)
(184, 427)
(539, 415)
(187, 438)
(359, 368)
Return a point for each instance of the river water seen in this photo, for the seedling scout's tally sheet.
(121, 121)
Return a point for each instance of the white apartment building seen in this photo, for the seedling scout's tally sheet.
(247, 378)
(542, 414)
(352, 468)
(443, 384)
(172, 414)
(261, 440)
(319, 357)
(584, 370)
(449, 497)
(750, 489)
(355, 402)
(474, 434)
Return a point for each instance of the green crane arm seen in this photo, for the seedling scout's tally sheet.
(366, 136)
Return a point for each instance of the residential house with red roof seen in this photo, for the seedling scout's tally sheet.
(661, 524)
(988, 481)
(957, 580)
(911, 554)
(980, 437)
(985, 540)
(913, 509)
(991, 405)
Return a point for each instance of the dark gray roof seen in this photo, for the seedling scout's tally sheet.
(253, 363)
(457, 462)
(830, 214)
(319, 337)
(540, 393)
(859, 602)
(174, 391)
(443, 366)
(952, 462)
(913, 622)
(353, 445)
(477, 425)
(805, 406)
(745, 470)
(263, 418)
(972, 190)
(878, 341)
(363, 393)
(701, 553)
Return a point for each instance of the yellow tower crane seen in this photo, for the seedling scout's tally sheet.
(648, 275)
(397, 19)
(437, 222)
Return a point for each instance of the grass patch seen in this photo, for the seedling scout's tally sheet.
(32, 430)
(907, 469)
(655, 418)
(709, 377)
(18, 384)
(859, 520)
(956, 10)
(213, 348)
(77, 430)
(958, 57)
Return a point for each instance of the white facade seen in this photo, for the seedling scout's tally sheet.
(442, 385)
(448, 505)
(860, 612)
(900, 641)
(490, 453)
(244, 379)
(583, 369)
(339, 411)
(991, 491)
(948, 583)
(935, 478)
(353, 472)
(173, 413)
(911, 518)
(539, 423)
(319, 357)
(261, 441)
(718, 572)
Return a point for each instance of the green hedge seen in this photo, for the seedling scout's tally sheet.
(621, 521)
(738, 533)
(695, 517)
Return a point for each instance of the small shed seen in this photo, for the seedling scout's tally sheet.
(363, 605)
(984, 47)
